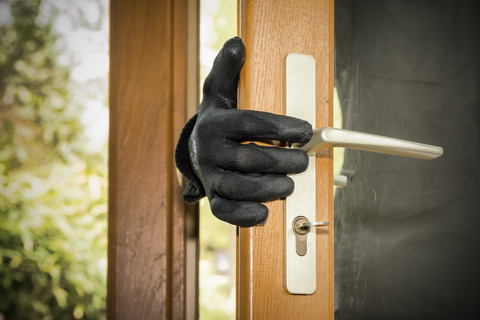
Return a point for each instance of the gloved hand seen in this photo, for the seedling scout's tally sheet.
(237, 177)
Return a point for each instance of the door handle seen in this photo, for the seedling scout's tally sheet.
(300, 102)
(333, 137)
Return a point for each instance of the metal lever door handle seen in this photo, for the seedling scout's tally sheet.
(326, 137)
(300, 102)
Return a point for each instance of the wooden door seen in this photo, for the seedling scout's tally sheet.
(271, 29)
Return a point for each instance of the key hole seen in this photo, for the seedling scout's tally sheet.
(300, 235)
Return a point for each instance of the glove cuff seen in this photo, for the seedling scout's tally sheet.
(194, 190)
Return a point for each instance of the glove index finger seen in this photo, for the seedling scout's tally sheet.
(252, 125)
(222, 81)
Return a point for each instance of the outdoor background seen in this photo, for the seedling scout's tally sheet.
(53, 169)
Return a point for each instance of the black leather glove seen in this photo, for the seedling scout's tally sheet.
(237, 177)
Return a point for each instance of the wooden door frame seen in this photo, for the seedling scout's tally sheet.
(271, 29)
(153, 235)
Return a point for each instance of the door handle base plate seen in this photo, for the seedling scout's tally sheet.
(300, 271)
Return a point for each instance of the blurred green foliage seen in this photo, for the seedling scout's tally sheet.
(52, 191)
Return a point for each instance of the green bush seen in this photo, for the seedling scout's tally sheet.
(52, 191)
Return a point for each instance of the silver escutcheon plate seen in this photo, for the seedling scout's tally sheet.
(300, 103)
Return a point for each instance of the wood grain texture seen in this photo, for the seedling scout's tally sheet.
(272, 29)
(192, 250)
(148, 96)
